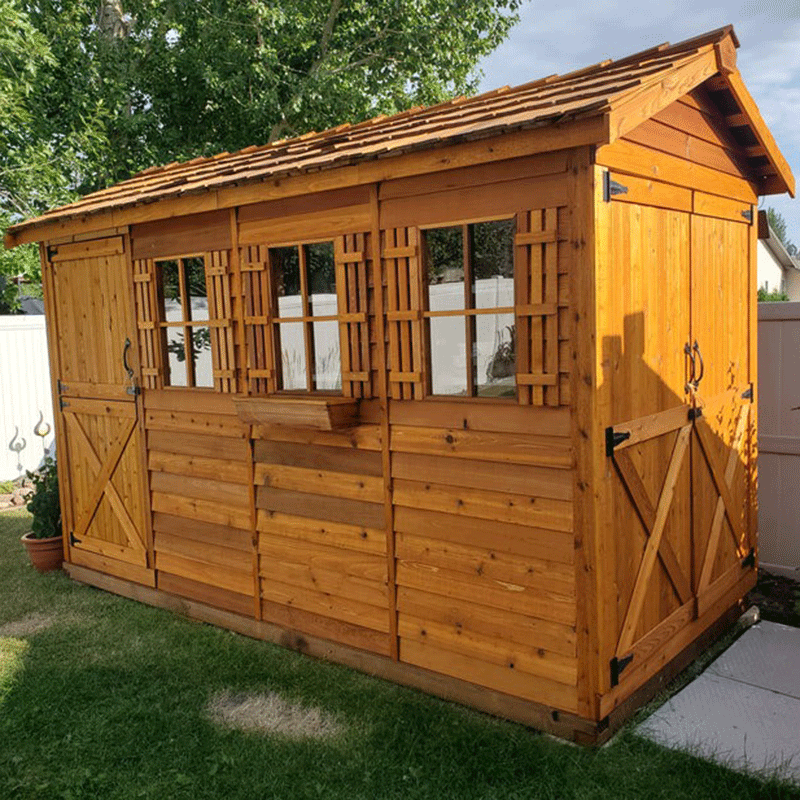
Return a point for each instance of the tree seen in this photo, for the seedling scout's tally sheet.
(91, 94)
(778, 225)
(162, 79)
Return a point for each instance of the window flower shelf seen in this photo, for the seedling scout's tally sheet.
(317, 413)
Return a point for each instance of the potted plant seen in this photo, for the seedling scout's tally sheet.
(43, 542)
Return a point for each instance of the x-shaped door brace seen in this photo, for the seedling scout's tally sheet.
(103, 485)
(725, 505)
(655, 523)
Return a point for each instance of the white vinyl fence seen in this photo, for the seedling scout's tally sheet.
(779, 436)
(25, 397)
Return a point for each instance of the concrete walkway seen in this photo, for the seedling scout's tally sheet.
(744, 710)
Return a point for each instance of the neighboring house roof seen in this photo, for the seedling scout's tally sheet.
(616, 95)
(31, 305)
(775, 246)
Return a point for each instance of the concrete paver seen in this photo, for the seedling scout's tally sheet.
(744, 710)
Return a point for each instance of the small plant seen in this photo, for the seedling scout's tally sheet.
(774, 296)
(44, 503)
(6, 487)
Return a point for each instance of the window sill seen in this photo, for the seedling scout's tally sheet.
(317, 413)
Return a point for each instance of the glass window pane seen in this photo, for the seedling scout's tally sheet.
(293, 355)
(172, 309)
(176, 356)
(201, 353)
(495, 355)
(444, 266)
(448, 355)
(327, 359)
(195, 272)
(286, 271)
(321, 273)
(492, 246)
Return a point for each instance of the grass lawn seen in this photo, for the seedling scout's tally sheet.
(101, 697)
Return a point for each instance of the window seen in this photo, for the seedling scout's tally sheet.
(469, 313)
(184, 322)
(305, 318)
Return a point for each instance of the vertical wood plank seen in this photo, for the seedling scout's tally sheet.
(137, 445)
(521, 294)
(551, 397)
(386, 453)
(588, 227)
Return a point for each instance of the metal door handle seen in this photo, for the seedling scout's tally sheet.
(133, 388)
(696, 348)
(687, 349)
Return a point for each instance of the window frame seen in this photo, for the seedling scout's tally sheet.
(187, 324)
(306, 319)
(469, 312)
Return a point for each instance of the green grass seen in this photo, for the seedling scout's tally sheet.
(109, 702)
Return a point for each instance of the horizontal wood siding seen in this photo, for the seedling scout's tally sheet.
(484, 545)
(199, 462)
(321, 538)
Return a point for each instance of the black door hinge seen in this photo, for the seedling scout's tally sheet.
(62, 403)
(750, 559)
(617, 666)
(72, 540)
(748, 215)
(52, 252)
(611, 188)
(695, 413)
(614, 438)
(747, 394)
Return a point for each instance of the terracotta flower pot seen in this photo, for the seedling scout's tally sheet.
(46, 555)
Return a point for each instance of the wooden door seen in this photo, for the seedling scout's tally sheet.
(723, 461)
(647, 324)
(679, 445)
(101, 446)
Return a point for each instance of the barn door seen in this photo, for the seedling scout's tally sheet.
(680, 472)
(101, 460)
(722, 458)
(648, 320)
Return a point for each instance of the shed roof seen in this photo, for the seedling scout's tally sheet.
(621, 94)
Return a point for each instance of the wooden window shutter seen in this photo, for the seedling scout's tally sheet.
(257, 301)
(218, 289)
(540, 309)
(403, 282)
(353, 290)
(149, 348)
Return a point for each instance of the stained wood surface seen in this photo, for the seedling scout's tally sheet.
(105, 506)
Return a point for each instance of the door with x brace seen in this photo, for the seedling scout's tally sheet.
(101, 462)
(679, 458)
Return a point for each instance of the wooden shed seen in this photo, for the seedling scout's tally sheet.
(462, 397)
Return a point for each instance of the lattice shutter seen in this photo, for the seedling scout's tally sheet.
(540, 312)
(353, 291)
(257, 304)
(400, 254)
(146, 315)
(218, 288)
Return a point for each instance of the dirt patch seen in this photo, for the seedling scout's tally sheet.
(271, 713)
(28, 625)
(777, 597)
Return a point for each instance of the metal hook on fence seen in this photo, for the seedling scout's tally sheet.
(41, 429)
(18, 447)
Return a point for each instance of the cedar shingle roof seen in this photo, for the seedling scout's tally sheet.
(556, 100)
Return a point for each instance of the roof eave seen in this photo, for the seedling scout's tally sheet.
(590, 127)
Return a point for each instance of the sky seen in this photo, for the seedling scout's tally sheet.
(563, 36)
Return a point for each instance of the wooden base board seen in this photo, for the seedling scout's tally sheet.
(535, 715)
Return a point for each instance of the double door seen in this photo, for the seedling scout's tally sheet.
(680, 362)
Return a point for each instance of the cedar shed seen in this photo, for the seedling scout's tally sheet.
(464, 397)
